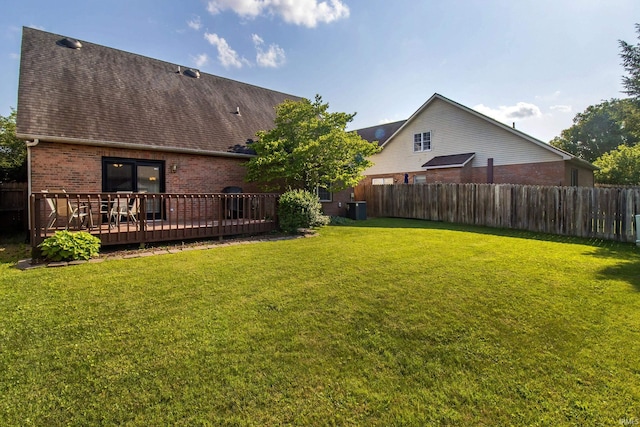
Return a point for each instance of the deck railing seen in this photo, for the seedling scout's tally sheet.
(125, 218)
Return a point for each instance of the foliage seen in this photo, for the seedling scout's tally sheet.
(340, 220)
(386, 322)
(309, 147)
(630, 55)
(300, 209)
(601, 128)
(620, 166)
(67, 246)
(13, 151)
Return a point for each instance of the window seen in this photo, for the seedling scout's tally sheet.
(574, 177)
(422, 142)
(419, 179)
(382, 181)
(324, 194)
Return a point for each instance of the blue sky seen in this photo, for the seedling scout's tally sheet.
(536, 63)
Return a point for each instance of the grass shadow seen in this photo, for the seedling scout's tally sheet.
(484, 230)
(13, 247)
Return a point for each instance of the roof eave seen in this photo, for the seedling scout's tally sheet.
(131, 146)
(454, 165)
(457, 165)
(583, 163)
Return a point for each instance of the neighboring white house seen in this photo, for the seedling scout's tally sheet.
(444, 141)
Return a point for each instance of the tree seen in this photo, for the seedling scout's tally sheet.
(631, 62)
(309, 147)
(13, 151)
(620, 166)
(601, 128)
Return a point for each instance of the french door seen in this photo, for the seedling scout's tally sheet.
(137, 176)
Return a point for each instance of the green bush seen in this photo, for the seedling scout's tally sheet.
(67, 246)
(340, 220)
(300, 209)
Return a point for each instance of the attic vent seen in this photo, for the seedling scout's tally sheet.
(70, 43)
(190, 72)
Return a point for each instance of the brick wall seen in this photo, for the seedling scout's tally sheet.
(398, 178)
(77, 168)
(338, 205)
(545, 173)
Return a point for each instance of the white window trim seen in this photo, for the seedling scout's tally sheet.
(382, 181)
(328, 191)
(422, 141)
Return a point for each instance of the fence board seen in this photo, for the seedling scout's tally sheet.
(605, 213)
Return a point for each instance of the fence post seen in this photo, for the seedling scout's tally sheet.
(637, 230)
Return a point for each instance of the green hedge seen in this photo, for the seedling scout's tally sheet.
(300, 209)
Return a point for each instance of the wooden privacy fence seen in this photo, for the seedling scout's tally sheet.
(605, 213)
(13, 205)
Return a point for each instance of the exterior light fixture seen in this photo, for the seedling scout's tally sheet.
(174, 168)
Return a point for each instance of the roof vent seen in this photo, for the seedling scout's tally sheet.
(70, 43)
(190, 72)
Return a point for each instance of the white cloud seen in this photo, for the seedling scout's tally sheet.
(195, 23)
(506, 114)
(257, 40)
(227, 56)
(562, 108)
(37, 27)
(299, 12)
(200, 60)
(273, 57)
(14, 55)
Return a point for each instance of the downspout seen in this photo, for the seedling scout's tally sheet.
(29, 145)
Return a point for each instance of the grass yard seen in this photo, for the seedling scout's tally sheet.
(384, 322)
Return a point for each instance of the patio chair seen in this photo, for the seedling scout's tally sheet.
(134, 208)
(124, 208)
(65, 210)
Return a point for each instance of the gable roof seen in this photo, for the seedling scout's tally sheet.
(97, 95)
(380, 133)
(436, 96)
(451, 161)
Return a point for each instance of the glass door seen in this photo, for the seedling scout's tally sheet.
(136, 176)
(148, 181)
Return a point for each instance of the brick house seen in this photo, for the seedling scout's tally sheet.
(444, 141)
(98, 119)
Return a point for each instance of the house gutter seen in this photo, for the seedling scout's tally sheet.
(131, 146)
(29, 144)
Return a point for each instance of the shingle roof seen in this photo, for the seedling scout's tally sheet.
(105, 95)
(380, 133)
(451, 161)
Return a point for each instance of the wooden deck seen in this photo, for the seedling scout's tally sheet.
(132, 218)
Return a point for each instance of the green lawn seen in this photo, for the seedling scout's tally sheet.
(385, 322)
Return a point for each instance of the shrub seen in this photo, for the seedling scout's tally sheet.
(340, 220)
(67, 246)
(300, 209)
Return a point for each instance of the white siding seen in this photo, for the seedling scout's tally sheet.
(456, 131)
